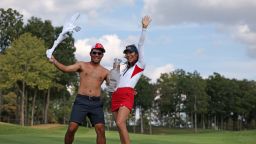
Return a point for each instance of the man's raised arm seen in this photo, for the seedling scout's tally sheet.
(71, 68)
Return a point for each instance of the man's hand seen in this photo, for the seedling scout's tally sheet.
(146, 21)
(135, 92)
(52, 59)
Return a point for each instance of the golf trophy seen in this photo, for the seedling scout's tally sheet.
(114, 75)
(69, 27)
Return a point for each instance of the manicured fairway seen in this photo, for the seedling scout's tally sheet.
(13, 134)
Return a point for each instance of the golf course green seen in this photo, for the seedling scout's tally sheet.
(53, 134)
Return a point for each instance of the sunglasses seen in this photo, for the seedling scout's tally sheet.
(96, 53)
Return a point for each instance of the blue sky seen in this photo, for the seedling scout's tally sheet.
(203, 35)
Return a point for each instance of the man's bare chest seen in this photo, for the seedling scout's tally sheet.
(92, 75)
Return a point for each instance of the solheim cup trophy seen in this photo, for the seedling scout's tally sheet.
(69, 27)
(114, 75)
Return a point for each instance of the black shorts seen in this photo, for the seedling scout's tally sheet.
(87, 106)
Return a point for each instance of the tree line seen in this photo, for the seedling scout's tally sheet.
(33, 91)
(28, 82)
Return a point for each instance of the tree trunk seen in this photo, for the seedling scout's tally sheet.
(17, 113)
(215, 122)
(222, 122)
(192, 120)
(64, 104)
(33, 108)
(141, 121)
(169, 120)
(22, 101)
(209, 119)
(26, 107)
(46, 107)
(195, 108)
(195, 122)
(150, 126)
(1, 103)
(203, 120)
(134, 125)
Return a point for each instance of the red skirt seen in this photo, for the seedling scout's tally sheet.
(122, 97)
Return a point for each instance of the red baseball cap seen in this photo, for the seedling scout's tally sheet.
(98, 46)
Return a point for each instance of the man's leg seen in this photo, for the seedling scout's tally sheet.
(100, 131)
(121, 118)
(72, 128)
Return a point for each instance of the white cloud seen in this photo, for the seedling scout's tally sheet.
(111, 43)
(58, 10)
(82, 49)
(154, 72)
(49, 4)
(246, 35)
(166, 12)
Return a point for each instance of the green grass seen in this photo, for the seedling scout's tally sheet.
(14, 134)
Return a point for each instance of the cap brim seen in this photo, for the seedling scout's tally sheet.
(102, 49)
(125, 51)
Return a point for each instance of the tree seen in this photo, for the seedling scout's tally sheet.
(41, 29)
(216, 90)
(1, 89)
(248, 103)
(64, 53)
(223, 99)
(11, 27)
(181, 92)
(197, 100)
(168, 93)
(144, 97)
(24, 64)
(9, 107)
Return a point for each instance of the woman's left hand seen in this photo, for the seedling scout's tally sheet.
(146, 21)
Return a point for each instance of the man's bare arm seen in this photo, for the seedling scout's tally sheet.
(107, 79)
(71, 68)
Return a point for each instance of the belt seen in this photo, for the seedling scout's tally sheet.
(91, 98)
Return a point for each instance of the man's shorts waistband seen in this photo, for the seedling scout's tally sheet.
(91, 98)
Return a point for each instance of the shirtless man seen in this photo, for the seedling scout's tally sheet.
(87, 102)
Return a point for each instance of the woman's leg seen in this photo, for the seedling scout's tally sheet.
(120, 117)
(115, 116)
